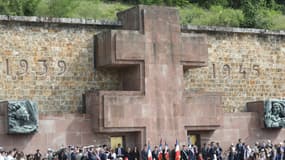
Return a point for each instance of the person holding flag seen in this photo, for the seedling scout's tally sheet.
(149, 154)
(166, 152)
(160, 156)
(177, 151)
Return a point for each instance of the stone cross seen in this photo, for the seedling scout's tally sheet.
(152, 54)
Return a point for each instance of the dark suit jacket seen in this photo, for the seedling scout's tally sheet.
(144, 155)
(122, 151)
(184, 155)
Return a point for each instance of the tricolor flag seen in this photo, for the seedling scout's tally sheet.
(177, 151)
(160, 150)
(166, 154)
(149, 154)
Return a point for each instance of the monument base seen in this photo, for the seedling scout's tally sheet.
(75, 129)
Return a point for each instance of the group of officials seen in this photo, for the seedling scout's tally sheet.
(210, 151)
(260, 151)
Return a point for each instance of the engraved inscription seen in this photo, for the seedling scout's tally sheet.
(226, 70)
(24, 66)
(255, 67)
(62, 65)
(242, 71)
(7, 67)
(43, 67)
(214, 70)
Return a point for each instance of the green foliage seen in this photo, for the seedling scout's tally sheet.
(278, 22)
(18, 7)
(208, 3)
(181, 3)
(97, 10)
(149, 2)
(56, 8)
(258, 14)
(236, 13)
(4, 7)
(217, 16)
(165, 2)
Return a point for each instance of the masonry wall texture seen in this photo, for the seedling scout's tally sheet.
(245, 67)
(53, 64)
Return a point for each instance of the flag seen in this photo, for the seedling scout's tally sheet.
(166, 154)
(177, 151)
(149, 154)
(160, 150)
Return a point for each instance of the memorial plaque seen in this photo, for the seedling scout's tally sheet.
(274, 113)
(271, 112)
(22, 117)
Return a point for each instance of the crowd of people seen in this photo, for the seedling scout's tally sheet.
(261, 151)
(211, 151)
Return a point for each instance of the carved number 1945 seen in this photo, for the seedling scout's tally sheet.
(226, 70)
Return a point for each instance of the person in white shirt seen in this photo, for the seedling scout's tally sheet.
(247, 152)
(10, 156)
(1, 156)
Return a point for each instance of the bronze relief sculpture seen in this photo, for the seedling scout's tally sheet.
(274, 113)
(22, 117)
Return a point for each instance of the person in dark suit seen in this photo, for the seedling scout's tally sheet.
(172, 153)
(184, 153)
(240, 149)
(211, 151)
(120, 151)
(144, 153)
(219, 151)
(192, 152)
(128, 154)
(204, 151)
(38, 155)
(155, 153)
(135, 154)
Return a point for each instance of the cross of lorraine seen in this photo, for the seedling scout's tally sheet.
(151, 54)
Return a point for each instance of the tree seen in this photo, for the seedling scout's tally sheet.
(256, 14)
(18, 7)
(61, 8)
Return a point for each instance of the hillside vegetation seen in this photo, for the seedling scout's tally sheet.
(266, 14)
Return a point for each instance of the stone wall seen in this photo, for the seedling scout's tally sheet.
(244, 66)
(51, 62)
(245, 126)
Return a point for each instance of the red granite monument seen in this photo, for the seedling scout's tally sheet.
(151, 54)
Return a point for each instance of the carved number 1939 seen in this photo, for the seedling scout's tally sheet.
(42, 67)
